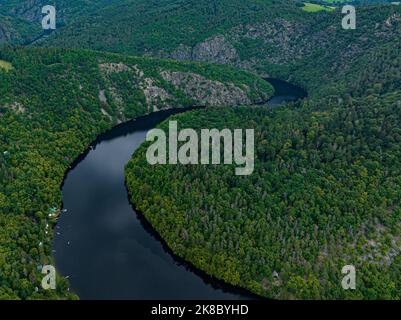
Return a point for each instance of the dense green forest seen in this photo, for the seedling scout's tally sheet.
(325, 188)
(149, 26)
(324, 193)
(20, 20)
(275, 38)
(53, 103)
(15, 30)
(268, 37)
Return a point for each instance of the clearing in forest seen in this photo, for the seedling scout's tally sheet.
(5, 65)
(313, 7)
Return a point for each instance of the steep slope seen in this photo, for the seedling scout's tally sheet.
(67, 10)
(325, 193)
(327, 173)
(20, 20)
(53, 103)
(268, 37)
(144, 26)
(15, 30)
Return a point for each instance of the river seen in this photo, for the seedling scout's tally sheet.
(105, 248)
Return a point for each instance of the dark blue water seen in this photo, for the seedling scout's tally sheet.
(105, 248)
(285, 92)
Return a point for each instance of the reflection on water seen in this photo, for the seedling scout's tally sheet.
(105, 248)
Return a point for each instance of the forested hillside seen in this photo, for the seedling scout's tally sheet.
(21, 20)
(151, 26)
(325, 191)
(268, 37)
(325, 194)
(275, 38)
(15, 30)
(53, 103)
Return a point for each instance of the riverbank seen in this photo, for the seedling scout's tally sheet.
(101, 232)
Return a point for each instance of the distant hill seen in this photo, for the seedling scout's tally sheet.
(270, 37)
(326, 184)
(25, 16)
(325, 193)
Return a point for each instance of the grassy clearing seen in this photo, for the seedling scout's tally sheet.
(5, 65)
(336, 1)
(312, 7)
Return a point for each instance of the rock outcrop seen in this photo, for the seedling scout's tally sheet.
(207, 92)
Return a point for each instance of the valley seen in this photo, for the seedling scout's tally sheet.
(45, 127)
(324, 192)
(100, 240)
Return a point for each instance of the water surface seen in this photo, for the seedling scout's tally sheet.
(105, 248)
